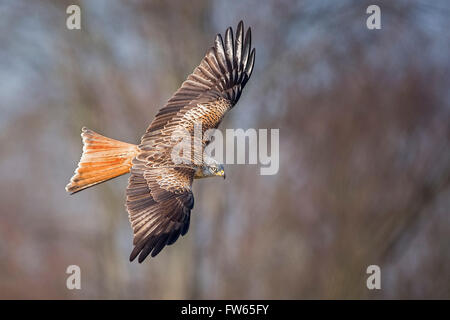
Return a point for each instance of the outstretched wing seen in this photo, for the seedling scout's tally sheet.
(207, 94)
(159, 203)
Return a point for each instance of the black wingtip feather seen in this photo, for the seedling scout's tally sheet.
(160, 245)
(238, 46)
(251, 63)
(174, 237)
(227, 65)
(246, 47)
(148, 247)
(220, 53)
(229, 48)
(234, 59)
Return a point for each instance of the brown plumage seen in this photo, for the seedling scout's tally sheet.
(159, 195)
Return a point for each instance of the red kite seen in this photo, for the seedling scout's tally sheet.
(159, 195)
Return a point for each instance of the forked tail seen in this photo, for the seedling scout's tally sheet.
(102, 159)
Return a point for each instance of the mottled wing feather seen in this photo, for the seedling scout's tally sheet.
(159, 203)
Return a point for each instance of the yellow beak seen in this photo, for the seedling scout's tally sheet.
(221, 173)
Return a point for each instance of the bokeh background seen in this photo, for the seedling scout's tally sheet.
(364, 150)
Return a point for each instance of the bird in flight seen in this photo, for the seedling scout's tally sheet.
(159, 193)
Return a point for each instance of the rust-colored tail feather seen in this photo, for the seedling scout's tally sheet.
(102, 159)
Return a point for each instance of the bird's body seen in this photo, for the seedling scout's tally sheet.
(159, 195)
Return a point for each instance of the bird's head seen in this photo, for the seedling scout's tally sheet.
(217, 170)
(210, 168)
